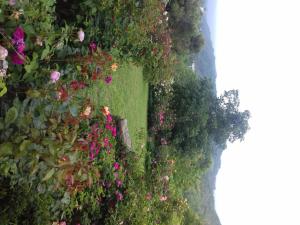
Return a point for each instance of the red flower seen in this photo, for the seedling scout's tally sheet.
(76, 85)
(62, 94)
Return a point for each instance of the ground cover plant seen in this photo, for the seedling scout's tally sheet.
(69, 72)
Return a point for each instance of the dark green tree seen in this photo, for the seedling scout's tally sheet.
(226, 121)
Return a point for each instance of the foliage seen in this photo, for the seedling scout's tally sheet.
(184, 21)
(227, 122)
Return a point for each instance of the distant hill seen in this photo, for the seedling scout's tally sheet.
(202, 196)
(210, 6)
(205, 60)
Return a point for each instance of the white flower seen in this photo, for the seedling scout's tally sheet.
(80, 34)
(87, 111)
(2, 73)
(3, 53)
(39, 41)
(165, 13)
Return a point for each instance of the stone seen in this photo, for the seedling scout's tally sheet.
(124, 133)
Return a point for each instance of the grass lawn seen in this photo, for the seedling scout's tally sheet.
(126, 96)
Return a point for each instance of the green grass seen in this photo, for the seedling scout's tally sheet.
(126, 97)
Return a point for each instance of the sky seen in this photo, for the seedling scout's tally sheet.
(257, 50)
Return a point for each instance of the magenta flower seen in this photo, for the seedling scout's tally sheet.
(118, 183)
(18, 34)
(108, 79)
(119, 196)
(106, 142)
(92, 46)
(114, 132)
(109, 118)
(54, 76)
(18, 58)
(108, 127)
(20, 46)
(116, 166)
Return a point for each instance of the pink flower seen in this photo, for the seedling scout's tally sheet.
(118, 183)
(92, 46)
(106, 142)
(108, 79)
(62, 223)
(108, 127)
(80, 35)
(116, 166)
(163, 198)
(54, 76)
(12, 2)
(119, 196)
(114, 132)
(18, 58)
(148, 196)
(109, 118)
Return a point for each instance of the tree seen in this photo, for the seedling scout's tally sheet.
(196, 43)
(226, 121)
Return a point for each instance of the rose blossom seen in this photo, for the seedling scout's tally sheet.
(54, 76)
(80, 34)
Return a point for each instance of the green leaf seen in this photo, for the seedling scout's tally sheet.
(6, 149)
(45, 52)
(33, 93)
(3, 88)
(66, 199)
(11, 115)
(25, 144)
(35, 133)
(33, 65)
(1, 124)
(49, 174)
